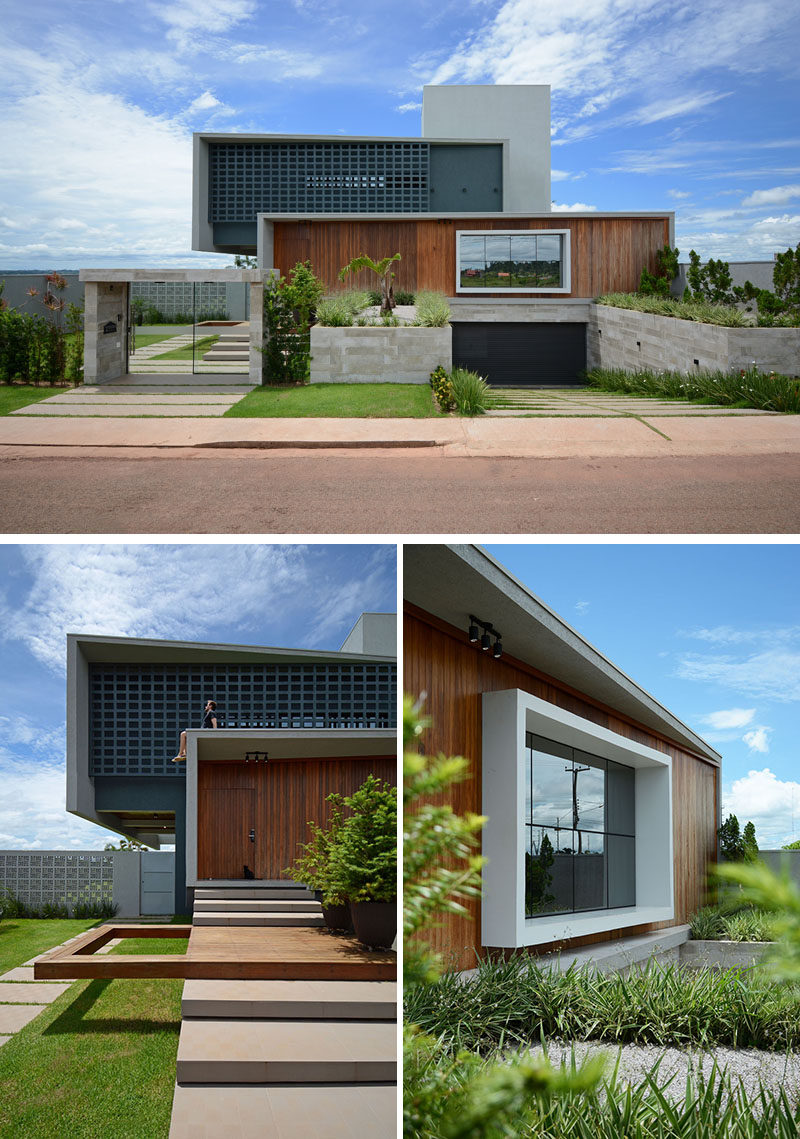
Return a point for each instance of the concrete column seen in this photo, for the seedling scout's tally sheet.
(105, 353)
(256, 332)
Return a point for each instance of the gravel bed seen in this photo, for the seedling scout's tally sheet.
(754, 1068)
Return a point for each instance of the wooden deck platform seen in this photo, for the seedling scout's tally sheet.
(222, 952)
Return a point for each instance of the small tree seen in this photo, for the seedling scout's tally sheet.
(749, 843)
(710, 282)
(313, 866)
(731, 843)
(126, 844)
(288, 309)
(383, 272)
(363, 859)
(658, 283)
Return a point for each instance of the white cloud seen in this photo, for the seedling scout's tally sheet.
(777, 196)
(679, 195)
(576, 207)
(772, 675)
(769, 802)
(680, 105)
(32, 797)
(404, 108)
(729, 718)
(168, 592)
(189, 21)
(582, 606)
(758, 739)
(204, 102)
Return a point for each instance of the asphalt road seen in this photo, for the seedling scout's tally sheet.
(57, 491)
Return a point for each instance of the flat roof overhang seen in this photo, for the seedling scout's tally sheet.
(453, 581)
(262, 136)
(128, 650)
(549, 215)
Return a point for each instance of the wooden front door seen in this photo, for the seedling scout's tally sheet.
(226, 813)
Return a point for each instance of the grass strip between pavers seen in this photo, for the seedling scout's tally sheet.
(99, 1061)
(12, 397)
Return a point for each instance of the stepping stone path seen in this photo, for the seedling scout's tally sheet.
(153, 396)
(22, 998)
(283, 1059)
(587, 403)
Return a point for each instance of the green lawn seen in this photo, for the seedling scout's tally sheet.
(344, 401)
(145, 338)
(20, 395)
(199, 348)
(100, 1061)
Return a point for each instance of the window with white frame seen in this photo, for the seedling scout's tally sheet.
(513, 261)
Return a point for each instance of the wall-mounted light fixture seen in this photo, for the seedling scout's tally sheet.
(485, 638)
(256, 756)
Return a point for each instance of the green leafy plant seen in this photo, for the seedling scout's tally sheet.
(747, 387)
(470, 392)
(126, 844)
(775, 894)
(288, 307)
(85, 908)
(706, 924)
(333, 312)
(443, 388)
(363, 858)
(747, 925)
(433, 309)
(382, 269)
(454, 1093)
(313, 866)
(658, 283)
(780, 307)
(55, 910)
(792, 845)
(401, 297)
(702, 312)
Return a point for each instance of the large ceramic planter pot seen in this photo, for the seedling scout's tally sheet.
(375, 923)
(337, 917)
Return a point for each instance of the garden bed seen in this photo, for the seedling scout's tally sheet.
(381, 354)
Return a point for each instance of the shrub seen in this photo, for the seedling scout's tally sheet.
(748, 925)
(710, 282)
(313, 866)
(433, 309)
(658, 283)
(84, 908)
(363, 860)
(55, 910)
(401, 298)
(442, 388)
(470, 392)
(13, 907)
(288, 305)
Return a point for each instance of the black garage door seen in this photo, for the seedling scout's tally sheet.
(523, 354)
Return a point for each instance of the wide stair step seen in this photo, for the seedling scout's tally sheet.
(286, 1000)
(286, 1051)
(349, 1111)
(218, 918)
(254, 905)
(288, 892)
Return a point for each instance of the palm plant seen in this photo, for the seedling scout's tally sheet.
(383, 272)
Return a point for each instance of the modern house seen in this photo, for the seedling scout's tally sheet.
(602, 806)
(468, 207)
(293, 726)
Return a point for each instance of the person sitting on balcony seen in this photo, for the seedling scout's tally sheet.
(209, 721)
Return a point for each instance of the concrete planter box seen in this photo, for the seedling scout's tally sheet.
(724, 954)
(624, 338)
(378, 355)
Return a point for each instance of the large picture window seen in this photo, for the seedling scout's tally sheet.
(512, 261)
(579, 818)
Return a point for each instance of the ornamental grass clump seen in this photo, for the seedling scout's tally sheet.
(702, 312)
(470, 392)
(745, 387)
(433, 309)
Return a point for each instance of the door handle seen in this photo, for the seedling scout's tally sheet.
(252, 834)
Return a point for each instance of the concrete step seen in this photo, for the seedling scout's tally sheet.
(275, 890)
(304, 919)
(254, 906)
(230, 354)
(214, 1051)
(290, 1000)
(351, 1111)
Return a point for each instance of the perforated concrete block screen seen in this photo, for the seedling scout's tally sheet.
(246, 178)
(137, 712)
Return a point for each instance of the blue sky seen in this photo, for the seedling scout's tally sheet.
(713, 633)
(656, 104)
(281, 595)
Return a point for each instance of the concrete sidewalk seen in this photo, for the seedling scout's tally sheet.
(556, 437)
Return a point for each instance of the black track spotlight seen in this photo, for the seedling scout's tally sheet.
(497, 651)
(473, 631)
(486, 642)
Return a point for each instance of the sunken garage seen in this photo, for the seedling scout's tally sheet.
(602, 806)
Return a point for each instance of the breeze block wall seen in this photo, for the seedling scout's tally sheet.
(624, 338)
(375, 355)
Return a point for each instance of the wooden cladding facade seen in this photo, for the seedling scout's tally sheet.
(276, 800)
(607, 253)
(454, 674)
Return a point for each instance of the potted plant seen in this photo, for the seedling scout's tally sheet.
(364, 862)
(313, 867)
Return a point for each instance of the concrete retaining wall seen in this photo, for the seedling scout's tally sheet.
(403, 355)
(723, 954)
(105, 354)
(624, 338)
